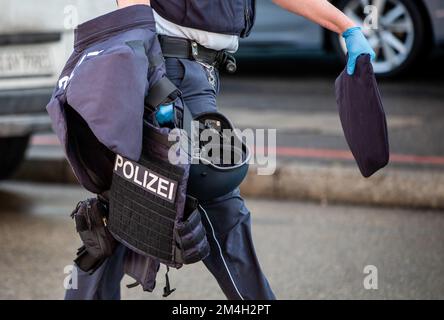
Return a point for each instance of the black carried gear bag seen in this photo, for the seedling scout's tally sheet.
(91, 217)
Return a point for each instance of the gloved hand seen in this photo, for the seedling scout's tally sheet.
(357, 44)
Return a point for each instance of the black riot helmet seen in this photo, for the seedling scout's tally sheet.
(219, 156)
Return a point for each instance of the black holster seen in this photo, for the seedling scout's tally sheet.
(91, 217)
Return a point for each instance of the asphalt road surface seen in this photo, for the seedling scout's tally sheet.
(308, 251)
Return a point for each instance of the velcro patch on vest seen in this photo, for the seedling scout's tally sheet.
(145, 178)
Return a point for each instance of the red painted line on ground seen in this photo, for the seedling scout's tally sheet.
(326, 154)
(314, 153)
(404, 158)
(330, 154)
(45, 140)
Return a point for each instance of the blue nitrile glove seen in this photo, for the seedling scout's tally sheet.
(357, 44)
(165, 114)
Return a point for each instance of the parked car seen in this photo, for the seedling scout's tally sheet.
(36, 38)
(35, 41)
(406, 29)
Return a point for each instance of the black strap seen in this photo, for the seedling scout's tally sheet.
(174, 47)
(167, 289)
(132, 285)
(86, 262)
(160, 92)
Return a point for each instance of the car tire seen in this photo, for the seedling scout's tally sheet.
(12, 151)
(414, 41)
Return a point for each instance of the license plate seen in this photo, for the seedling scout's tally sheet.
(18, 62)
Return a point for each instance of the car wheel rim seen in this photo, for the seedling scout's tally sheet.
(391, 37)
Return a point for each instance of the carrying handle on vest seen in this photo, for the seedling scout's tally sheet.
(162, 91)
(167, 289)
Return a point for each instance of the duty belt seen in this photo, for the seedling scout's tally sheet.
(173, 47)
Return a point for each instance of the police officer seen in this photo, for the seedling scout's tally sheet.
(211, 27)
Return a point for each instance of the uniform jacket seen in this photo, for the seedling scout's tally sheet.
(234, 17)
(97, 107)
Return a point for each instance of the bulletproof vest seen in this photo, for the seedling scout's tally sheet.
(234, 17)
(103, 112)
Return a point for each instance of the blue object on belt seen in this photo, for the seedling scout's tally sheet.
(165, 114)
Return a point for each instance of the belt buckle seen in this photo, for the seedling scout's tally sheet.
(194, 50)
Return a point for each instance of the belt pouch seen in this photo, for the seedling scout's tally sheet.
(90, 217)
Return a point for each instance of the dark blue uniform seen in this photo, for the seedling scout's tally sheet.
(227, 220)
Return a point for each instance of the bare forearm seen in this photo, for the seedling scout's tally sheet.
(126, 3)
(321, 12)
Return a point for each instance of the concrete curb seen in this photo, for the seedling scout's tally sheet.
(46, 170)
(390, 187)
(297, 181)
